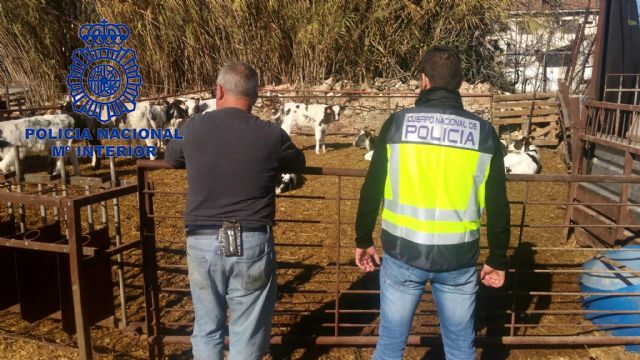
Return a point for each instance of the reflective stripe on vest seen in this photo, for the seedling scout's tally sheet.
(434, 194)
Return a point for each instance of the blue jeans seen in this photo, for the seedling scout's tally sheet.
(246, 284)
(401, 287)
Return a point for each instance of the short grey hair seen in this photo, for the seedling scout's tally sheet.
(239, 79)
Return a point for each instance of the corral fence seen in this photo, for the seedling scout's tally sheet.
(60, 242)
(604, 139)
(532, 113)
(324, 299)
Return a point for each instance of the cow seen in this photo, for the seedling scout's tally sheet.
(522, 158)
(288, 182)
(318, 116)
(83, 121)
(366, 139)
(12, 134)
(196, 106)
(147, 116)
(206, 105)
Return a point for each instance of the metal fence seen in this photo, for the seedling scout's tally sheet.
(360, 108)
(59, 243)
(325, 299)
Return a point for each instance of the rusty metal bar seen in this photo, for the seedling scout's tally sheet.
(121, 249)
(161, 164)
(306, 221)
(605, 105)
(65, 191)
(151, 286)
(74, 226)
(106, 195)
(118, 238)
(338, 193)
(43, 210)
(514, 300)
(625, 192)
(417, 340)
(20, 188)
(42, 246)
(574, 178)
(87, 191)
(56, 209)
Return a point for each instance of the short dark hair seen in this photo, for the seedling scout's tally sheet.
(239, 79)
(443, 67)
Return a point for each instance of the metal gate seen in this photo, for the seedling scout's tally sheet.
(325, 299)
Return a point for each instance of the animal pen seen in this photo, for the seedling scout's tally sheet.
(57, 240)
(325, 299)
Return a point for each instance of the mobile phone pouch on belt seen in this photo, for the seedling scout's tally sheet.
(231, 238)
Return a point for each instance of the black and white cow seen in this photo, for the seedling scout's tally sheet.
(198, 106)
(83, 121)
(206, 105)
(192, 105)
(522, 158)
(318, 116)
(12, 134)
(148, 116)
(366, 139)
(288, 182)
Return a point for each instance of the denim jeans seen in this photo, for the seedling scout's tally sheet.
(401, 287)
(246, 284)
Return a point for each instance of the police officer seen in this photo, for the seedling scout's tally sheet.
(233, 160)
(436, 166)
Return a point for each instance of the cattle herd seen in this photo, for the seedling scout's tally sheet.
(520, 156)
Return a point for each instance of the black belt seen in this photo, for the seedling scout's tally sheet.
(215, 229)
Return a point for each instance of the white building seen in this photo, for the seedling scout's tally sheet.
(537, 43)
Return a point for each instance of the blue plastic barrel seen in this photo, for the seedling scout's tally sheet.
(598, 281)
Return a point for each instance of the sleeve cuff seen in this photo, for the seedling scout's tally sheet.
(498, 262)
(364, 243)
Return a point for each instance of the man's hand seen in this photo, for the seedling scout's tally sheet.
(367, 259)
(492, 277)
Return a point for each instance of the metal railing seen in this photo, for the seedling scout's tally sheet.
(326, 300)
(60, 259)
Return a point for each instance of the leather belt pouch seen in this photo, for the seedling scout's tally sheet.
(231, 238)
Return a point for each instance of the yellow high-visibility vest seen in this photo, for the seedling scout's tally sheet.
(435, 186)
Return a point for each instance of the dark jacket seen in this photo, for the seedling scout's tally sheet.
(437, 257)
(233, 160)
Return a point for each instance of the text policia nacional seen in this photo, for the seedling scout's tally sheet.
(76, 134)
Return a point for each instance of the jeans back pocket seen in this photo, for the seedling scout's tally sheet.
(254, 274)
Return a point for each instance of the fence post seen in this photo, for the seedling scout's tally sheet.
(74, 231)
(338, 222)
(118, 231)
(150, 272)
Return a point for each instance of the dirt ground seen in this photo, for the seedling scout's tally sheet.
(309, 256)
